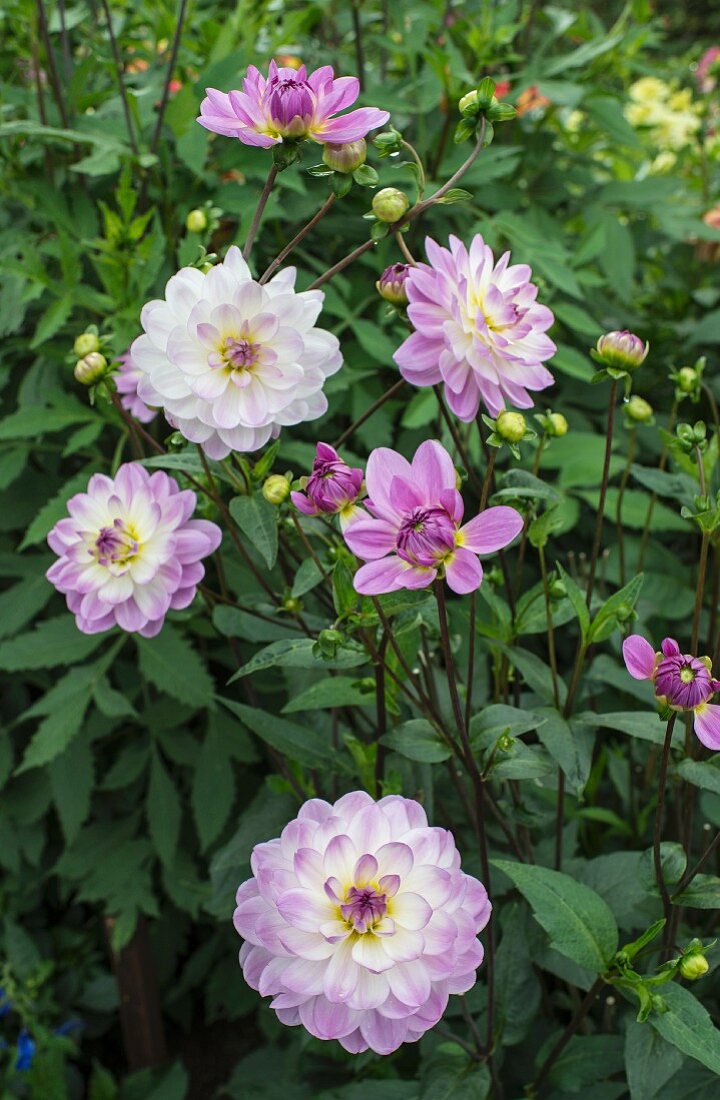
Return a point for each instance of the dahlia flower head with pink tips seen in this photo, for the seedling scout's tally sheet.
(129, 551)
(411, 532)
(331, 489)
(680, 681)
(478, 329)
(289, 106)
(359, 922)
(126, 382)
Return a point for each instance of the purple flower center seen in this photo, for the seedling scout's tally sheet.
(427, 535)
(684, 681)
(291, 103)
(115, 545)
(363, 906)
(240, 354)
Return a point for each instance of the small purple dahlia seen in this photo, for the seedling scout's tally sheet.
(680, 681)
(359, 922)
(129, 551)
(332, 488)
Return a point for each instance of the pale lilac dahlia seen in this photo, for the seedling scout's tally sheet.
(680, 681)
(478, 329)
(290, 105)
(230, 361)
(129, 551)
(413, 532)
(126, 381)
(359, 922)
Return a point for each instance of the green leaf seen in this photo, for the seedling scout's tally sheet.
(450, 1075)
(586, 1060)
(35, 420)
(622, 601)
(687, 1025)
(52, 643)
(334, 691)
(417, 740)
(163, 809)
(306, 746)
(20, 604)
(570, 748)
(704, 775)
(298, 653)
(579, 923)
(213, 791)
(62, 723)
(702, 893)
(497, 719)
(577, 599)
(537, 675)
(650, 1061)
(172, 665)
(307, 576)
(71, 779)
(257, 519)
(635, 723)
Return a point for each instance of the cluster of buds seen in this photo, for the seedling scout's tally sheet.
(391, 284)
(619, 353)
(509, 429)
(638, 411)
(91, 366)
(690, 438)
(689, 380)
(481, 110)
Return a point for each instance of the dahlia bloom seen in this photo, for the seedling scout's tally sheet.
(622, 350)
(391, 284)
(230, 361)
(129, 551)
(290, 105)
(708, 69)
(478, 329)
(359, 922)
(680, 681)
(333, 487)
(413, 532)
(126, 381)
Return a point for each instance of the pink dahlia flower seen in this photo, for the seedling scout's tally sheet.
(290, 105)
(413, 532)
(478, 329)
(126, 381)
(708, 70)
(332, 488)
(680, 681)
(129, 551)
(359, 922)
(230, 361)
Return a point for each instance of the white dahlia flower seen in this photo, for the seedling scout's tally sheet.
(231, 361)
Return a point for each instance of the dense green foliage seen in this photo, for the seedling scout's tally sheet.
(135, 775)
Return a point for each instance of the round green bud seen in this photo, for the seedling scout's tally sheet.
(624, 612)
(505, 742)
(292, 604)
(196, 221)
(276, 489)
(468, 100)
(687, 379)
(639, 409)
(558, 591)
(389, 204)
(511, 426)
(85, 343)
(345, 157)
(557, 425)
(694, 966)
(90, 369)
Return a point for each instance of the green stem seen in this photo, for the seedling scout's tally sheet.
(659, 815)
(329, 202)
(653, 496)
(618, 510)
(568, 1033)
(255, 223)
(603, 494)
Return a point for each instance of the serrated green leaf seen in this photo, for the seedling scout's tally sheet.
(257, 519)
(172, 665)
(164, 812)
(213, 791)
(687, 1025)
(306, 746)
(334, 691)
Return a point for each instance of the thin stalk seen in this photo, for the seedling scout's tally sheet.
(568, 1033)
(632, 443)
(487, 481)
(659, 814)
(50, 62)
(395, 388)
(67, 57)
(172, 61)
(342, 264)
(550, 631)
(359, 51)
(457, 440)
(690, 875)
(407, 254)
(603, 494)
(387, 627)
(262, 201)
(117, 59)
(381, 714)
(310, 548)
(421, 171)
(653, 496)
(471, 659)
(329, 202)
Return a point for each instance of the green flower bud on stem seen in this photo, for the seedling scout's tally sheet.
(694, 966)
(85, 343)
(687, 379)
(196, 221)
(91, 368)
(346, 157)
(639, 409)
(557, 425)
(276, 489)
(389, 204)
(511, 426)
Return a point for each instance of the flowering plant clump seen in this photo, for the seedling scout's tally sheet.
(680, 681)
(332, 488)
(129, 551)
(478, 329)
(232, 361)
(359, 922)
(290, 105)
(413, 532)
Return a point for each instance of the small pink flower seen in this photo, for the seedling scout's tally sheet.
(126, 381)
(708, 70)
(290, 105)
(359, 922)
(129, 551)
(333, 487)
(478, 329)
(680, 681)
(413, 532)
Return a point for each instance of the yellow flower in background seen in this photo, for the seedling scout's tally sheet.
(669, 113)
(649, 89)
(663, 162)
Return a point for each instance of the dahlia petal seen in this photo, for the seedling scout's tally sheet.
(707, 725)
(368, 951)
(411, 911)
(463, 572)
(639, 657)
(371, 539)
(491, 530)
(305, 909)
(670, 647)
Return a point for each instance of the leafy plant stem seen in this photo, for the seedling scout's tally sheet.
(690, 875)
(172, 61)
(471, 658)
(310, 548)
(50, 61)
(381, 713)
(582, 1011)
(357, 36)
(395, 388)
(632, 443)
(262, 202)
(603, 494)
(653, 496)
(117, 60)
(299, 236)
(659, 814)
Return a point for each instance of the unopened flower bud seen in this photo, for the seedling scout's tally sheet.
(90, 369)
(196, 221)
(389, 204)
(558, 591)
(557, 425)
(687, 379)
(86, 343)
(276, 489)
(624, 612)
(511, 426)
(391, 284)
(345, 157)
(639, 409)
(505, 742)
(292, 604)
(468, 100)
(622, 350)
(694, 966)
